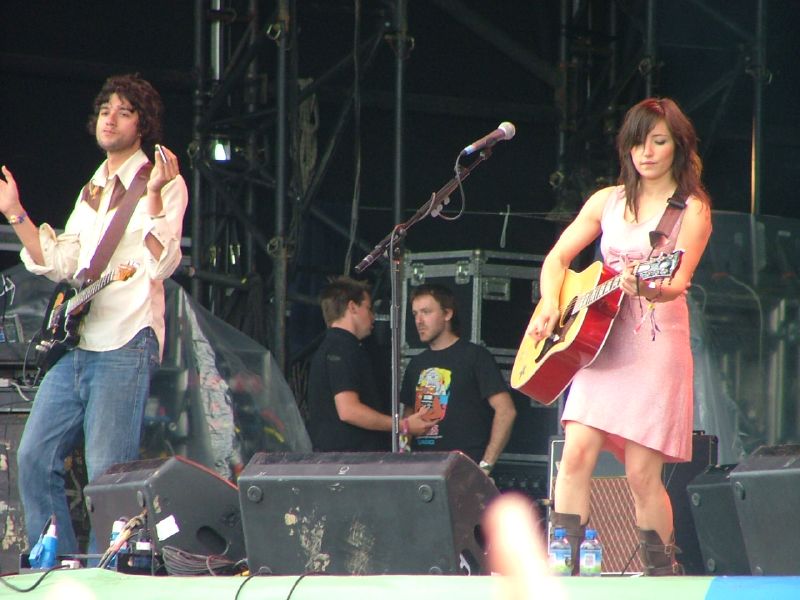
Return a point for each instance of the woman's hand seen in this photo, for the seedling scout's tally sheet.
(633, 286)
(545, 318)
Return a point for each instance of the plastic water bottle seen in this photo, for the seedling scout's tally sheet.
(560, 554)
(116, 528)
(591, 555)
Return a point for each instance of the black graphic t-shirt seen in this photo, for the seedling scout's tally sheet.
(458, 381)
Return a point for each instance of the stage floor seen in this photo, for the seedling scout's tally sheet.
(86, 584)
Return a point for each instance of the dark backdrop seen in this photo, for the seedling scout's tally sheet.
(54, 56)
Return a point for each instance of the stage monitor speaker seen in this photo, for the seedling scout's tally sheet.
(364, 513)
(188, 506)
(766, 491)
(676, 477)
(716, 522)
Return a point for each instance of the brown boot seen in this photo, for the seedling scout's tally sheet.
(657, 557)
(575, 533)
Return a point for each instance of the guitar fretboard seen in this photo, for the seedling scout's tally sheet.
(90, 290)
(595, 294)
(661, 267)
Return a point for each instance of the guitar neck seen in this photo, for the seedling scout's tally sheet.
(596, 293)
(88, 292)
(602, 290)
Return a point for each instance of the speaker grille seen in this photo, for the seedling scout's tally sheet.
(614, 519)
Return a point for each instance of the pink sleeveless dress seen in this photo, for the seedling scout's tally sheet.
(637, 388)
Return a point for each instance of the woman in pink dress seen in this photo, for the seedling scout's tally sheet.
(635, 399)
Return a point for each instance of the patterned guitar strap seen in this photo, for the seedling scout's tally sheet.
(659, 237)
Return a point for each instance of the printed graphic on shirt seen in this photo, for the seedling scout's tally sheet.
(433, 392)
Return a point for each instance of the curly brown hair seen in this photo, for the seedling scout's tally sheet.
(144, 99)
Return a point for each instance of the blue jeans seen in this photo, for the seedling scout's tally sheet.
(95, 396)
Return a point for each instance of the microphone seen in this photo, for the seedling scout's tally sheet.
(504, 131)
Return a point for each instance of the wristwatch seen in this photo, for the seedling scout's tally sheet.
(486, 467)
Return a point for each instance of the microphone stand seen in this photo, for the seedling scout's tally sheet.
(392, 246)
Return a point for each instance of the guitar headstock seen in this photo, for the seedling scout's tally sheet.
(125, 271)
(660, 267)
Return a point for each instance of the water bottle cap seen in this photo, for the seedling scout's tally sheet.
(559, 532)
(591, 534)
(118, 525)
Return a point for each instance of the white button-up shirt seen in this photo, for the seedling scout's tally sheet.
(123, 308)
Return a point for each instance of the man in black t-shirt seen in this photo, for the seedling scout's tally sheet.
(459, 381)
(343, 400)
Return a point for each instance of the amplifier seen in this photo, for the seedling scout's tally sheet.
(613, 512)
(524, 473)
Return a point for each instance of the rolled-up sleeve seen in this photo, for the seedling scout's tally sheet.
(60, 254)
(167, 228)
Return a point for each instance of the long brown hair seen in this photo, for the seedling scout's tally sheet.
(687, 168)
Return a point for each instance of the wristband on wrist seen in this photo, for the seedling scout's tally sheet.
(17, 219)
(658, 292)
(486, 466)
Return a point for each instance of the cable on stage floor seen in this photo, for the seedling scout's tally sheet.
(180, 562)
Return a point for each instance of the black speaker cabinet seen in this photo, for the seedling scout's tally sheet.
(13, 538)
(364, 513)
(676, 477)
(766, 491)
(188, 506)
(13, 534)
(716, 522)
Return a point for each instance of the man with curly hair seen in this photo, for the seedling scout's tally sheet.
(96, 392)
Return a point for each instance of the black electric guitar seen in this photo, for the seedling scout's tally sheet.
(65, 311)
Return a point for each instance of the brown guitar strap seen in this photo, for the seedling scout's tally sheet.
(117, 226)
(660, 235)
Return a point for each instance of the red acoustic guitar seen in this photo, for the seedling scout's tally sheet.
(588, 303)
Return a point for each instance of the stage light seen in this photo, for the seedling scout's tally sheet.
(220, 149)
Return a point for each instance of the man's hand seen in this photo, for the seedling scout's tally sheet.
(418, 423)
(9, 195)
(163, 172)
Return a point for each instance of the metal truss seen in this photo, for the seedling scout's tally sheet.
(251, 210)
